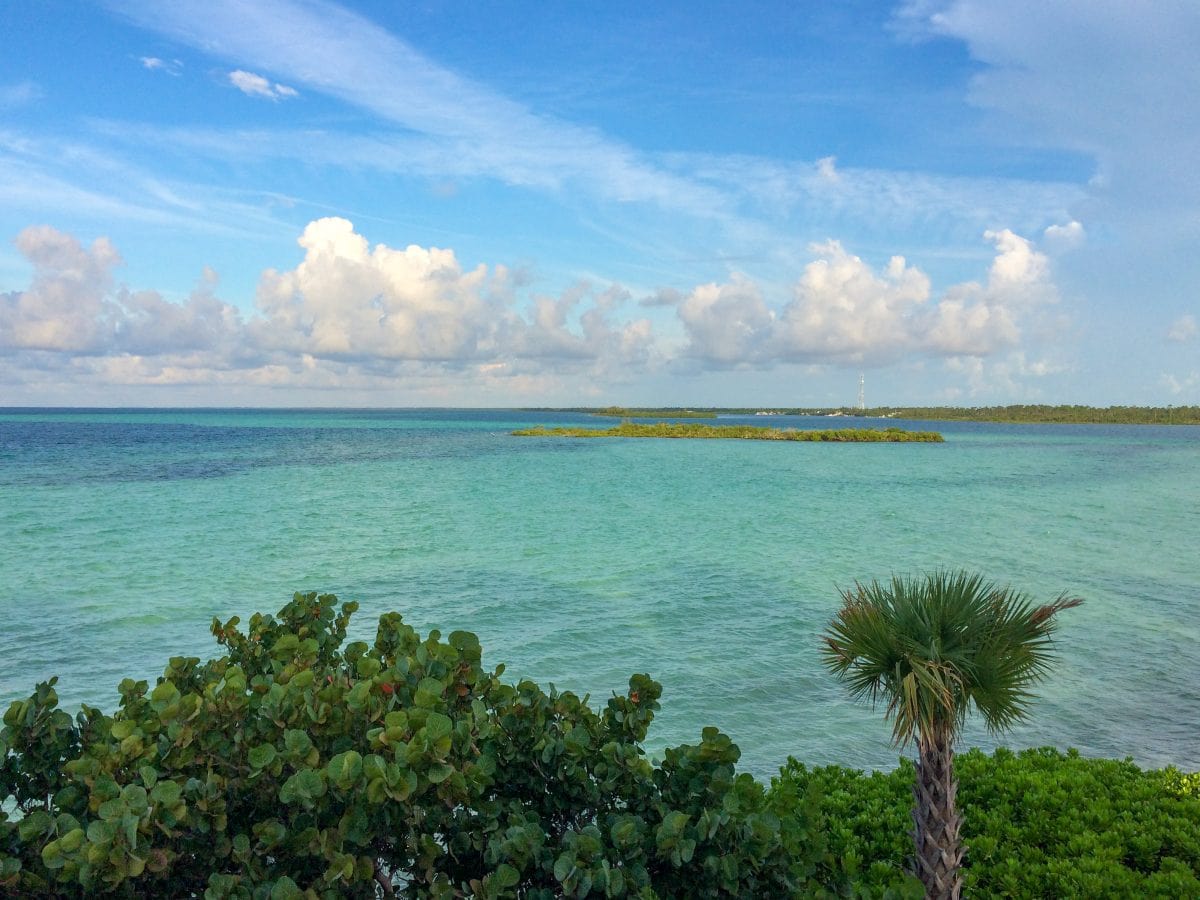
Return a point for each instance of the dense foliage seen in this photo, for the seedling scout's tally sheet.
(298, 765)
(293, 766)
(1039, 823)
(736, 432)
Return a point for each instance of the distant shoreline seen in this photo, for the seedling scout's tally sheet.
(1035, 414)
(738, 432)
(1021, 415)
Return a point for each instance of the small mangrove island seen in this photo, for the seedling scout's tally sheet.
(737, 432)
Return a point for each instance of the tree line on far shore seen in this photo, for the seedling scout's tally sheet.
(1017, 414)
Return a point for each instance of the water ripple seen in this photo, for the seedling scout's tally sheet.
(712, 565)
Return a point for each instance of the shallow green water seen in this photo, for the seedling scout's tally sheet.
(713, 565)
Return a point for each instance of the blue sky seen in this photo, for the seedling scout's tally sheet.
(309, 203)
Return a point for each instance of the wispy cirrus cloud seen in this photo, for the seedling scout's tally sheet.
(876, 202)
(1089, 75)
(460, 126)
(769, 201)
(40, 178)
(339, 53)
(31, 185)
(19, 94)
(1117, 83)
(1179, 384)
(659, 211)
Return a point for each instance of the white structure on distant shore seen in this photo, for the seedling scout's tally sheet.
(862, 396)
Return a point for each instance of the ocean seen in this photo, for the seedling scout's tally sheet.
(714, 566)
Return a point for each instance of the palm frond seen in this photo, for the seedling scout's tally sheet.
(934, 647)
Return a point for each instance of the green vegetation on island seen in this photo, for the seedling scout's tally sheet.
(1031, 414)
(735, 432)
(1046, 415)
(296, 765)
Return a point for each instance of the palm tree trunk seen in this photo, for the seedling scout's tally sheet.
(936, 835)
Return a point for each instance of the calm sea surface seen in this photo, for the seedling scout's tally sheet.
(712, 565)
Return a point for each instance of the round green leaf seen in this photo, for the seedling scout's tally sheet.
(261, 756)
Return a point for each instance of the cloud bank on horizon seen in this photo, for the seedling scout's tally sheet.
(981, 206)
(354, 315)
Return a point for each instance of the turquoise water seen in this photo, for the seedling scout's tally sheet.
(712, 565)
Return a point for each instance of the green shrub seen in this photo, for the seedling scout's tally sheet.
(1038, 823)
(292, 766)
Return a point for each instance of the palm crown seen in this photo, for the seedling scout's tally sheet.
(934, 646)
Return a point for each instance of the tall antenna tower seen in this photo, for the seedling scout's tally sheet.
(862, 396)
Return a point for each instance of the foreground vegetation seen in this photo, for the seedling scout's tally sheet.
(934, 648)
(1039, 823)
(736, 432)
(293, 767)
(297, 765)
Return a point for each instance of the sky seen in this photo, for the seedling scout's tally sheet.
(432, 203)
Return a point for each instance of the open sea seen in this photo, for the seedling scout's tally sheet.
(712, 565)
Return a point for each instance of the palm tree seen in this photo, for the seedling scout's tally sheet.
(931, 647)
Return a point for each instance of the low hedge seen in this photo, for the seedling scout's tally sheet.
(1038, 823)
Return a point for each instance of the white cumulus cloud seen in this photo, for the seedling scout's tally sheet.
(1183, 329)
(253, 85)
(348, 300)
(727, 324)
(842, 310)
(980, 319)
(548, 332)
(346, 308)
(350, 314)
(154, 63)
(73, 306)
(1065, 237)
(67, 303)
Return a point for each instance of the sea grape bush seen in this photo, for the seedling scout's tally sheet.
(294, 766)
(1039, 823)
